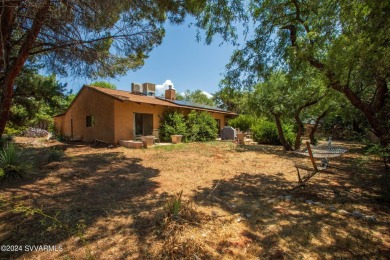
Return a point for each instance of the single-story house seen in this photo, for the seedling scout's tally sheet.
(112, 115)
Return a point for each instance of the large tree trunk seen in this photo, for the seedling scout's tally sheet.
(283, 141)
(300, 131)
(299, 122)
(315, 127)
(13, 69)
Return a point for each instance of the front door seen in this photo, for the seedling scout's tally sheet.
(143, 124)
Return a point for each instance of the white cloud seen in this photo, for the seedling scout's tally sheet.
(207, 94)
(160, 88)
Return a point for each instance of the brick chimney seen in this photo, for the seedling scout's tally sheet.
(170, 93)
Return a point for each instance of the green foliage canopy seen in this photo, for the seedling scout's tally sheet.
(196, 96)
(103, 84)
(346, 41)
(93, 38)
(36, 100)
(231, 99)
(201, 126)
(172, 123)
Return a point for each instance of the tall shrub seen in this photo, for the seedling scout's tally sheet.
(201, 126)
(244, 122)
(265, 132)
(172, 123)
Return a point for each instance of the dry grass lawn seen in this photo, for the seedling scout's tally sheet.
(113, 203)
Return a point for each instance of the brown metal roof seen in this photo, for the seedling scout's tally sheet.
(127, 96)
(124, 96)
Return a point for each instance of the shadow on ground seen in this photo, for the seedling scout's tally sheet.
(77, 193)
(282, 228)
(103, 200)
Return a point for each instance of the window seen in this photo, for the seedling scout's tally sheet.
(90, 121)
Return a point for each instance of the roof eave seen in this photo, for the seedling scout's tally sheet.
(198, 108)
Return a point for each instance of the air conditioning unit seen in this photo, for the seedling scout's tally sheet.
(149, 89)
(136, 88)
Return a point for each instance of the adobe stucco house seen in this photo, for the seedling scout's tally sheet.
(112, 115)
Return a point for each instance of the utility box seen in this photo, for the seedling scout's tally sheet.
(228, 133)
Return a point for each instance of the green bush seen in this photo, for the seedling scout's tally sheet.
(289, 133)
(244, 122)
(266, 132)
(12, 130)
(172, 123)
(13, 163)
(201, 126)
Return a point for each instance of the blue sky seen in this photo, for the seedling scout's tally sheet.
(188, 64)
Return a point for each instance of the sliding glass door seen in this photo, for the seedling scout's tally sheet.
(143, 124)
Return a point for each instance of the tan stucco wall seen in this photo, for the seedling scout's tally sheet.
(89, 103)
(124, 117)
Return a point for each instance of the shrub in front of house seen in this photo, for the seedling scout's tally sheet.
(201, 126)
(244, 122)
(172, 123)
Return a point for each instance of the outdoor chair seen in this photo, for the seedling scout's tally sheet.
(156, 134)
(136, 137)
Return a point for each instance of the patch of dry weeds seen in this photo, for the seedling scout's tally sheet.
(235, 203)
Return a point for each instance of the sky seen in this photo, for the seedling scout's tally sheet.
(180, 60)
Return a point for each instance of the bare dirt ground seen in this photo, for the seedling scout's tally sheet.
(114, 203)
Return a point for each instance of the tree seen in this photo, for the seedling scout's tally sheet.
(96, 38)
(346, 41)
(36, 100)
(231, 99)
(197, 96)
(265, 100)
(103, 84)
(282, 97)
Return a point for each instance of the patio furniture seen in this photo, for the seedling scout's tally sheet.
(321, 152)
(156, 134)
(241, 138)
(136, 137)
